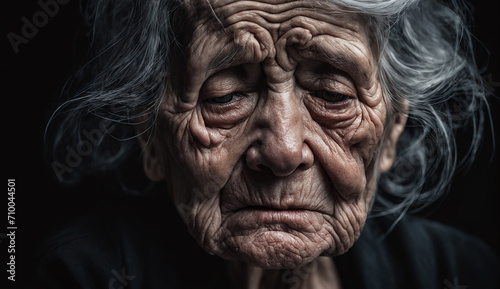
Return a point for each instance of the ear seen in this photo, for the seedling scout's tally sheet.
(151, 158)
(388, 152)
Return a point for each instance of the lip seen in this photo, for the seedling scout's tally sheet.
(282, 208)
(268, 215)
(298, 219)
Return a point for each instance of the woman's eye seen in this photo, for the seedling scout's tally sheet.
(331, 96)
(221, 99)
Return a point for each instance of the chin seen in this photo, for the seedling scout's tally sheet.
(282, 239)
(278, 250)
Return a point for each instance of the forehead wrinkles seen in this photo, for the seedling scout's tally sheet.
(323, 19)
(278, 13)
(227, 12)
(279, 17)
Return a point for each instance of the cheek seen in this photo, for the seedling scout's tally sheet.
(348, 154)
(195, 173)
(348, 149)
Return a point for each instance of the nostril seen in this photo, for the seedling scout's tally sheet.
(282, 160)
(261, 167)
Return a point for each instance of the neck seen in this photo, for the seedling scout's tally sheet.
(321, 273)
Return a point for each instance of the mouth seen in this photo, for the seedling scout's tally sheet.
(271, 218)
(279, 208)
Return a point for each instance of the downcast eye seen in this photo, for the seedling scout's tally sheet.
(221, 99)
(331, 96)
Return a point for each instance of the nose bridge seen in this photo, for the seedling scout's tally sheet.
(280, 147)
(283, 112)
(284, 120)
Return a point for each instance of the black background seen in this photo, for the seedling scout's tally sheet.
(32, 81)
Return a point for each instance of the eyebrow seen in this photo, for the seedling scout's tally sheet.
(346, 62)
(343, 61)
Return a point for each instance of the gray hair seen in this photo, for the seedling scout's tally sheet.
(426, 59)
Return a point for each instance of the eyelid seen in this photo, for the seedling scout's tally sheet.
(220, 84)
(344, 97)
(335, 86)
(316, 75)
(327, 113)
(241, 78)
(208, 93)
(212, 100)
(236, 96)
(225, 115)
(239, 102)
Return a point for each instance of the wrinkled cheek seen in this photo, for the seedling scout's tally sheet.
(350, 166)
(348, 222)
(350, 181)
(194, 188)
(199, 207)
(352, 201)
(344, 171)
(351, 209)
(191, 200)
(197, 197)
(352, 196)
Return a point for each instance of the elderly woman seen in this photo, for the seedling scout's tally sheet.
(291, 137)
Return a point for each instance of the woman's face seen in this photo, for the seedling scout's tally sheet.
(273, 130)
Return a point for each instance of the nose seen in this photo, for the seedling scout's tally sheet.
(280, 146)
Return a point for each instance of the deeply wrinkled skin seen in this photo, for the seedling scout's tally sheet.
(273, 130)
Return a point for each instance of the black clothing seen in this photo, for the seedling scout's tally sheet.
(140, 245)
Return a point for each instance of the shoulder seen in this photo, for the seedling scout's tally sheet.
(448, 247)
(444, 239)
(135, 245)
(417, 253)
(110, 248)
(432, 255)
